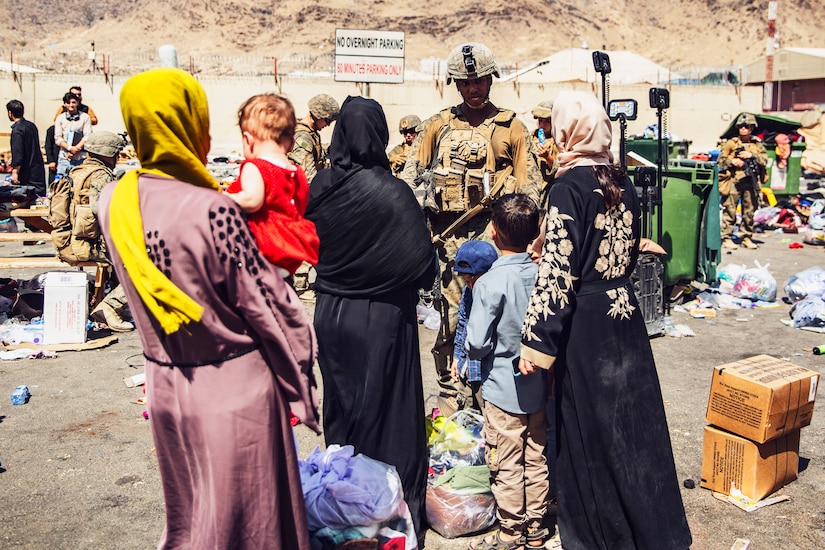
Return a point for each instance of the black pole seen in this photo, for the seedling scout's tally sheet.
(659, 168)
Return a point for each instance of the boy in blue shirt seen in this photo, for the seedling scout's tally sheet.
(473, 259)
(514, 415)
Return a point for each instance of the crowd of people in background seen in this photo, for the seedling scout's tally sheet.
(524, 240)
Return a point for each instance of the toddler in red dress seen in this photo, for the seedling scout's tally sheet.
(270, 189)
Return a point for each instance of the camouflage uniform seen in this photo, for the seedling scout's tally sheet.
(510, 143)
(735, 184)
(398, 157)
(308, 152)
(99, 174)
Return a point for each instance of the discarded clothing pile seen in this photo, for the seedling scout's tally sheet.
(354, 497)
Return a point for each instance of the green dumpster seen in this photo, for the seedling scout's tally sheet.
(690, 221)
(784, 181)
(646, 148)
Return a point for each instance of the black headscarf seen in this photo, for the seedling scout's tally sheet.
(374, 236)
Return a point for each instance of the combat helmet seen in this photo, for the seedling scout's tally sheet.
(543, 110)
(471, 60)
(105, 144)
(746, 118)
(408, 123)
(323, 106)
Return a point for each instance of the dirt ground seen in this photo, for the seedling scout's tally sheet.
(79, 471)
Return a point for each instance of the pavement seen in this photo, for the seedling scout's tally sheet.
(79, 469)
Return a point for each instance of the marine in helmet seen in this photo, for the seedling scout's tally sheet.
(398, 154)
(742, 171)
(308, 151)
(544, 148)
(95, 172)
(469, 148)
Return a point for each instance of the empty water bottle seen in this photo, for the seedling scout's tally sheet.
(20, 396)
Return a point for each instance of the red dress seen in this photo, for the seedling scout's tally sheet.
(285, 237)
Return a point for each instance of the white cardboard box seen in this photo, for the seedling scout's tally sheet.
(65, 307)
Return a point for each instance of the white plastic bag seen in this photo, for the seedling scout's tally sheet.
(756, 283)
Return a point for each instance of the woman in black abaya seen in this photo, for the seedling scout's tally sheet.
(375, 254)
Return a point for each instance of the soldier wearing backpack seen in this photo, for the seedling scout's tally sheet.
(464, 158)
(73, 215)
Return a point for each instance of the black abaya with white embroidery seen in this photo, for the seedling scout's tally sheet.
(617, 484)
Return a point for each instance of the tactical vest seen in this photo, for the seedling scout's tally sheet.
(465, 166)
(76, 232)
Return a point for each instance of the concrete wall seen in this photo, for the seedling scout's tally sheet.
(697, 113)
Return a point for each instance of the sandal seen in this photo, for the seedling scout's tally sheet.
(495, 543)
(537, 538)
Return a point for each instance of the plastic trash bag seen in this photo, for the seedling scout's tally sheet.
(809, 282)
(727, 275)
(452, 514)
(809, 312)
(756, 283)
(343, 490)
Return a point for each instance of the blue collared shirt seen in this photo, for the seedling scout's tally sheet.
(500, 299)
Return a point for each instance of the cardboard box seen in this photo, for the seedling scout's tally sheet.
(757, 470)
(65, 307)
(761, 397)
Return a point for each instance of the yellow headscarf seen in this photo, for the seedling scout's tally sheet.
(167, 118)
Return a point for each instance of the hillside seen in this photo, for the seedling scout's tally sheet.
(57, 35)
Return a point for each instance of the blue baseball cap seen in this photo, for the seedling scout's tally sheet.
(475, 258)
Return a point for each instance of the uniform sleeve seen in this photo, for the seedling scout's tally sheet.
(397, 158)
(761, 155)
(483, 320)
(727, 155)
(525, 168)
(270, 306)
(552, 301)
(303, 155)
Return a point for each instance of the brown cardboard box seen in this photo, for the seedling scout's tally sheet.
(761, 397)
(757, 470)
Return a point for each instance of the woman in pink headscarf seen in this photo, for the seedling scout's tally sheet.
(617, 485)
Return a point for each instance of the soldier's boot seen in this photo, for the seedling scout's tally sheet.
(729, 244)
(748, 243)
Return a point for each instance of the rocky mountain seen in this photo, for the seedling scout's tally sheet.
(714, 33)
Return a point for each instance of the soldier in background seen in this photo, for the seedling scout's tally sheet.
(309, 154)
(308, 151)
(398, 154)
(742, 165)
(476, 148)
(544, 148)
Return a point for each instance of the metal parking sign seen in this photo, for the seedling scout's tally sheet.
(369, 56)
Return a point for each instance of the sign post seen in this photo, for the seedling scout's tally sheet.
(369, 56)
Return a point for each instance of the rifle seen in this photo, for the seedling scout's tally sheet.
(753, 172)
(471, 213)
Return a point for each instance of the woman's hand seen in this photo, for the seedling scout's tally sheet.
(525, 367)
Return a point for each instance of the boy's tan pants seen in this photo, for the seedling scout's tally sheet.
(515, 456)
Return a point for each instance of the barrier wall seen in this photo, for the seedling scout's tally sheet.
(697, 113)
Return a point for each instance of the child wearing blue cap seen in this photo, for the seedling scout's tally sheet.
(473, 259)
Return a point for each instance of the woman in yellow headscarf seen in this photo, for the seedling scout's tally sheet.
(228, 346)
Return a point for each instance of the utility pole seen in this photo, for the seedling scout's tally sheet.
(768, 86)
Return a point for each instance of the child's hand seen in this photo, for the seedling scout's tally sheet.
(526, 367)
(454, 370)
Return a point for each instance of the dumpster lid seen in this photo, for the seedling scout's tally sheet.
(770, 125)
